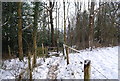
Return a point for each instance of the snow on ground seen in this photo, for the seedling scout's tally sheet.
(12, 68)
(104, 64)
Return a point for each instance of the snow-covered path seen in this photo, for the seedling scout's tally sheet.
(104, 64)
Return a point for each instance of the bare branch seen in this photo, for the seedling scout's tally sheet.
(27, 27)
(98, 9)
(46, 7)
(6, 21)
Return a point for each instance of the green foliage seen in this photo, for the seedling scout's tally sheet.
(9, 28)
(105, 29)
(40, 52)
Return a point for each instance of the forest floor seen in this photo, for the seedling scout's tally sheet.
(104, 65)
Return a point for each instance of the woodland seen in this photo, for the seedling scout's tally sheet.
(35, 30)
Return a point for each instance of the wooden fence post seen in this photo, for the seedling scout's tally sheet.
(9, 51)
(43, 52)
(87, 70)
(57, 46)
(67, 52)
(46, 51)
(20, 78)
(63, 50)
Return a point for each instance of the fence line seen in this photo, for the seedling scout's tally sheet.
(71, 48)
(84, 59)
(97, 70)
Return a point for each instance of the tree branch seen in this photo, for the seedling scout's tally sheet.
(27, 27)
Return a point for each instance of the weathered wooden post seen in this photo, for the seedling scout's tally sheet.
(87, 70)
(19, 78)
(9, 51)
(57, 46)
(46, 51)
(67, 52)
(43, 52)
(63, 50)
(29, 65)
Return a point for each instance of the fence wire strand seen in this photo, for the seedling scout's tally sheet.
(97, 70)
(91, 65)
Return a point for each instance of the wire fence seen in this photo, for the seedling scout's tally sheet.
(98, 71)
(83, 59)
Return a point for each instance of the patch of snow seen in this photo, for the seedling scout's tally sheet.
(104, 64)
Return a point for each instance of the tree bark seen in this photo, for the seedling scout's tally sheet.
(48, 27)
(51, 22)
(91, 25)
(20, 31)
(57, 42)
(64, 23)
(35, 33)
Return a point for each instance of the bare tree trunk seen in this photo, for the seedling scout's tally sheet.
(64, 23)
(48, 26)
(57, 28)
(51, 22)
(35, 34)
(29, 65)
(83, 29)
(91, 25)
(20, 31)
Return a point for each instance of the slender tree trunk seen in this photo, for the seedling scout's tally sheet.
(56, 21)
(58, 24)
(48, 27)
(91, 25)
(29, 65)
(35, 33)
(20, 31)
(51, 22)
(83, 36)
(57, 28)
(64, 23)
